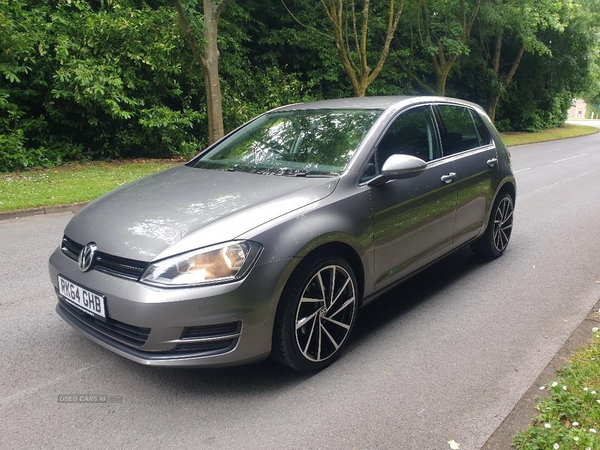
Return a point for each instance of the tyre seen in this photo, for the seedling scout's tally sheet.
(316, 314)
(494, 241)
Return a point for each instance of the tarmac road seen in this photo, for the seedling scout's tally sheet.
(444, 357)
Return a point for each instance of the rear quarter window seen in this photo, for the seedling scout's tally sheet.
(464, 129)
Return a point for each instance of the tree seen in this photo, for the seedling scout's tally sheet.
(517, 22)
(443, 29)
(208, 59)
(351, 34)
(544, 87)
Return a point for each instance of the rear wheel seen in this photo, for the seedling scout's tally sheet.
(494, 241)
(316, 314)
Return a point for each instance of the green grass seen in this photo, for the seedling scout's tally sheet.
(71, 183)
(570, 417)
(551, 134)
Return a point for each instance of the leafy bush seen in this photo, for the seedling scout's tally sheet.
(78, 82)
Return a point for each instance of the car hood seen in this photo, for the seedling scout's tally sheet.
(185, 208)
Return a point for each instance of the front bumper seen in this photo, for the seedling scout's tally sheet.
(218, 325)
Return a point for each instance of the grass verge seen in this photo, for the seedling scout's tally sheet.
(551, 134)
(71, 183)
(569, 418)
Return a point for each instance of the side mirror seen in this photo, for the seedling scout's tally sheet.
(398, 167)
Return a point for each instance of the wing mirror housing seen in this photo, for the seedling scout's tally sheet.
(399, 167)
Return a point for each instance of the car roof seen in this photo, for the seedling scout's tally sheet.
(380, 103)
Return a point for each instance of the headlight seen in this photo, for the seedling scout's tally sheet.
(217, 264)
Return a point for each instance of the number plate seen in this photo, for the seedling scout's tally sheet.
(83, 299)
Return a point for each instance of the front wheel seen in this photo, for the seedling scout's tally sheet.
(316, 314)
(494, 241)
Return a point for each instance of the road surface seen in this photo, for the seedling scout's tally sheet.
(444, 357)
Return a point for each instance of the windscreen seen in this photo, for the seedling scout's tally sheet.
(298, 143)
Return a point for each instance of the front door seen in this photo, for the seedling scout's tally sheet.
(413, 219)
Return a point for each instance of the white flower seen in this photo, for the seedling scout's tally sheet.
(555, 384)
(593, 392)
(576, 438)
(595, 329)
(454, 445)
(542, 388)
(597, 401)
(592, 430)
(575, 424)
(564, 387)
(556, 446)
(547, 425)
(586, 389)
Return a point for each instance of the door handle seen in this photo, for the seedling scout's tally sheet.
(449, 178)
(492, 162)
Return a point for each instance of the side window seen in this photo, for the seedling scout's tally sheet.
(482, 131)
(461, 133)
(411, 133)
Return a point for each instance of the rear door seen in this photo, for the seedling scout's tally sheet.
(467, 140)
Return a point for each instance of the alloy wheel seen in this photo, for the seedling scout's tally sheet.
(503, 221)
(325, 313)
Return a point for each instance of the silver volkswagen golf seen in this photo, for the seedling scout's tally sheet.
(269, 242)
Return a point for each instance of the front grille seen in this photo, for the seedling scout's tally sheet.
(129, 269)
(71, 248)
(128, 334)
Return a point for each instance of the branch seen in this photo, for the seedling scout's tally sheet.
(221, 7)
(417, 79)
(302, 24)
(514, 67)
(363, 40)
(497, 53)
(467, 31)
(355, 30)
(393, 21)
(189, 34)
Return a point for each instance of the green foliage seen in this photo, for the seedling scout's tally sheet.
(89, 79)
(546, 85)
(81, 82)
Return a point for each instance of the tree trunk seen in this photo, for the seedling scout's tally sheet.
(442, 75)
(209, 61)
(210, 69)
(492, 107)
(495, 99)
(442, 78)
